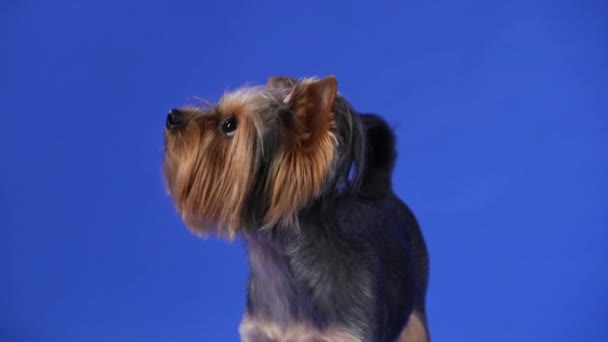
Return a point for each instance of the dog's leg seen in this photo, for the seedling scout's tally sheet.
(415, 331)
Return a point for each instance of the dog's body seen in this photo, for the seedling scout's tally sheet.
(351, 269)
(348, 262)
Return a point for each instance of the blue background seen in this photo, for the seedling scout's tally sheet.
(500, 109)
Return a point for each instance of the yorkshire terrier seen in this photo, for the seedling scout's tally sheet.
(305, 180)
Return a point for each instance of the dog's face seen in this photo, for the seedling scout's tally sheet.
(256, 158)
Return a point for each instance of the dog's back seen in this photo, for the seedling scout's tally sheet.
(377, 188)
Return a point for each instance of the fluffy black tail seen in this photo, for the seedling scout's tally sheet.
(381, 155)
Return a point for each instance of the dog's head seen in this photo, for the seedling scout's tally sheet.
(260, 155)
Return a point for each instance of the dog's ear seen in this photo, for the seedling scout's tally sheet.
(299, 175)
(281, 82)
(312, 105)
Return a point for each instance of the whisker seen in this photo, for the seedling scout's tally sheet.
(204, 101)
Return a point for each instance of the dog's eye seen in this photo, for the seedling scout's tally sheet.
(229, 126)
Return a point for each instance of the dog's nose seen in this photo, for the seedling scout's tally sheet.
(175, 119)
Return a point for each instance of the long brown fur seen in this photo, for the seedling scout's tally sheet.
(210, 183)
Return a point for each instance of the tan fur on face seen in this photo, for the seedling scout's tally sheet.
(303, 165)
(209, 175)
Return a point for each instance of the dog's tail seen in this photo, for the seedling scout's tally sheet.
(381, 155)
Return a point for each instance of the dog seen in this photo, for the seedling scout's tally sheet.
(306, 182)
